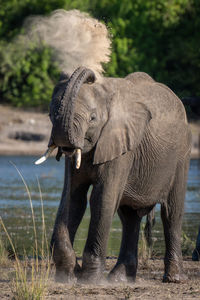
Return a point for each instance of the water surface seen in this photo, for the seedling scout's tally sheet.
(16, 212)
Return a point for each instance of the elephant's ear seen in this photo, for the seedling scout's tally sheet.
(123, 131)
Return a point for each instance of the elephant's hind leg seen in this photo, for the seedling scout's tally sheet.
(196, 252)
(126, 266)
(172, 214)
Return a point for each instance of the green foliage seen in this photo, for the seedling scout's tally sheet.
(27, 79)
(158, 37)
(14, 12)
(27, 73)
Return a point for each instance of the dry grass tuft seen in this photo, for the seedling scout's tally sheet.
(31, 276)
(4, 261)
(145, 252)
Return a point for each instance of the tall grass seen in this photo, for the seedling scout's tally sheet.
(187, 244)
(3, 254)
(31, 276)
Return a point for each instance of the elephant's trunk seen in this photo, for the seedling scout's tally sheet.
(63, 126)
(63, 134)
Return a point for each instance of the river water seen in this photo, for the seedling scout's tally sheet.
(15, 207)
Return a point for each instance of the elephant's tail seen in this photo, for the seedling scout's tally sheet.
(150, 222)
(76, 38)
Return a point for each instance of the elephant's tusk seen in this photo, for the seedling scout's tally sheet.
(78, 158)
(45, 156)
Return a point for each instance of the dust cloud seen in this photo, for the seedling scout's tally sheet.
(76, 38)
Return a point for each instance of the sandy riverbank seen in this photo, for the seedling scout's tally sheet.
(148, 285)
(23, 132)
(27, 133)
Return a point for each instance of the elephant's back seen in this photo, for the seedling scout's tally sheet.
(139, 78)
(160, 100)
(163, 103)
(169, 124)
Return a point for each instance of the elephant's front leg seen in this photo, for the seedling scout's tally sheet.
(104, 202)
(102, 210)
(72, 207)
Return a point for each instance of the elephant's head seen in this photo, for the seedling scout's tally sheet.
(85, 114)
(77, 112)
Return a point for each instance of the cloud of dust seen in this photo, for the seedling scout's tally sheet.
(77, 39)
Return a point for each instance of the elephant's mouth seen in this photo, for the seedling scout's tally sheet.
(68, 151)
(73, 152)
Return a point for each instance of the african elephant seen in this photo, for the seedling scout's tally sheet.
(134, 142)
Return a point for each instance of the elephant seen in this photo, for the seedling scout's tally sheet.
(129, 139)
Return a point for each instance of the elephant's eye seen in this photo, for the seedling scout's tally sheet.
(93, 117)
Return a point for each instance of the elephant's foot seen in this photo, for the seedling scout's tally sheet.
(196, 255)
(63, 254)
(92, 271)
(88, 277)
(122, 273)
(174, 274)
(64, 277)
(175, 278)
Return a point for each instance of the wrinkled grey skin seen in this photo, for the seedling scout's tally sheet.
(135, 146)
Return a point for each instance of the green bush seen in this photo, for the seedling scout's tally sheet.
(28, 77)
(158, 37)
(27, 73)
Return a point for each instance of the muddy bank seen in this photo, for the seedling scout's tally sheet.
(148, 285)
(27, 133)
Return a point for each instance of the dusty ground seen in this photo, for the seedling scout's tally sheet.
(15, 123)
(148, 285)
